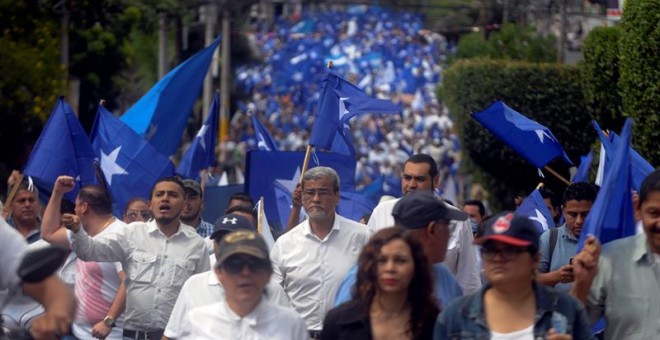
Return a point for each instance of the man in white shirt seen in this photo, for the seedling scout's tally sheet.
(158, 256)
(51, 292)
(99, 286)
(204, 288)
(420, 172)
(311, 260)
(244, 270)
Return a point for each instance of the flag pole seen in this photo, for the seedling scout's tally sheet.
(260, 214)
(7, 206)
(561, 178)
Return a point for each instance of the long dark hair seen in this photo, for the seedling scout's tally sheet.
(424, 308)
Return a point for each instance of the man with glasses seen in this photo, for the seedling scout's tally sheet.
(204, 288)
(311, 260)
(558, 245)
(244, 270)
(427, 217)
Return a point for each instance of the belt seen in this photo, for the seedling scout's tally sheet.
(140, 335)
(314, 334)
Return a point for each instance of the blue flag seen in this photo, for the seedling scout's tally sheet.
(265, 168)
(531, 140)
(353, 205)
(265, 141)
(582, 173)
(201, 153)
(340, 101)
(611, 216)
(535, 209)
(130, 164)
(640, 167)
(160, 116)
(342, 143)
(63, 148)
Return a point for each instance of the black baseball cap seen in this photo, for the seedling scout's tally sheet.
(228, 223)
(511, 229)
(418, 208)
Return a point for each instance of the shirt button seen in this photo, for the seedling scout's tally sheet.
(162, 274)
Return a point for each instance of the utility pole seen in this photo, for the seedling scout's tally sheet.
(562, 31)
(162, 45)
(210, 12)
(225, 75)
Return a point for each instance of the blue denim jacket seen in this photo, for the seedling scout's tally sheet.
(465, 319)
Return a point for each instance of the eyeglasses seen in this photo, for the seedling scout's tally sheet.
(323, 193)
(507, 253)
(235, 266)
(133, 214)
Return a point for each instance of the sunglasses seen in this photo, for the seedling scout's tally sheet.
(234, 266)
(507, 253)
(134, 214)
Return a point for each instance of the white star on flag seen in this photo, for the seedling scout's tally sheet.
(342, 107)
(109, 165)
(541, 133)
(261, 144)
(540, 219)
(201, 133)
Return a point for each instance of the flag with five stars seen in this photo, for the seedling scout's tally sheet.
(531, 140)
(131, 166)
(63, 148)
(201, 153)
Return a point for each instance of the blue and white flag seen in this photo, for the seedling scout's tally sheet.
(531, 140)
(612, 217)
(160, 116)
(265, 141)
(582, 173)
(535, 209)
(201, 153)
(63, 148)
(130, 164)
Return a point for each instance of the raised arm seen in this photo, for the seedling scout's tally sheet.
(51, 226)
(110, 247)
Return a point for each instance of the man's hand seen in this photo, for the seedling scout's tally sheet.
(51, 325)
(60, 306)
(297, 196)
(565, 274)
(101, 331)
(553, 335)
(64, 184)
(71, 222)
(13, 178)
(585, 268)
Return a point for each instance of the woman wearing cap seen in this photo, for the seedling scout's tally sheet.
(512, 305)
(393, 298)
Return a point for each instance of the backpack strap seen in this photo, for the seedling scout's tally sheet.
(553, 242)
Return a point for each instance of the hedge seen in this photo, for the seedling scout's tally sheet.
(640, 74)
(600, 76)
(548, 93)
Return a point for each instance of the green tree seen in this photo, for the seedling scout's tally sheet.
(30, 78)
(600, 75)
(640, 74)
(510, 42)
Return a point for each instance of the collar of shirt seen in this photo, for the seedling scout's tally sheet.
(212, 279)
(250, 319)
(567, 234)
(184, 229)
(642, 251)
(308, 228)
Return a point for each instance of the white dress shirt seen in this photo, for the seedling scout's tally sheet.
(267, 321)
(156, 267)
(461, 256)
(204, 289)
(310, 269)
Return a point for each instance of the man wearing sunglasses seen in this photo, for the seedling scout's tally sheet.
(244, 270)
(204, 289)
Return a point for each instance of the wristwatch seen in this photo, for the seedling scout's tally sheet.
(109, 321)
